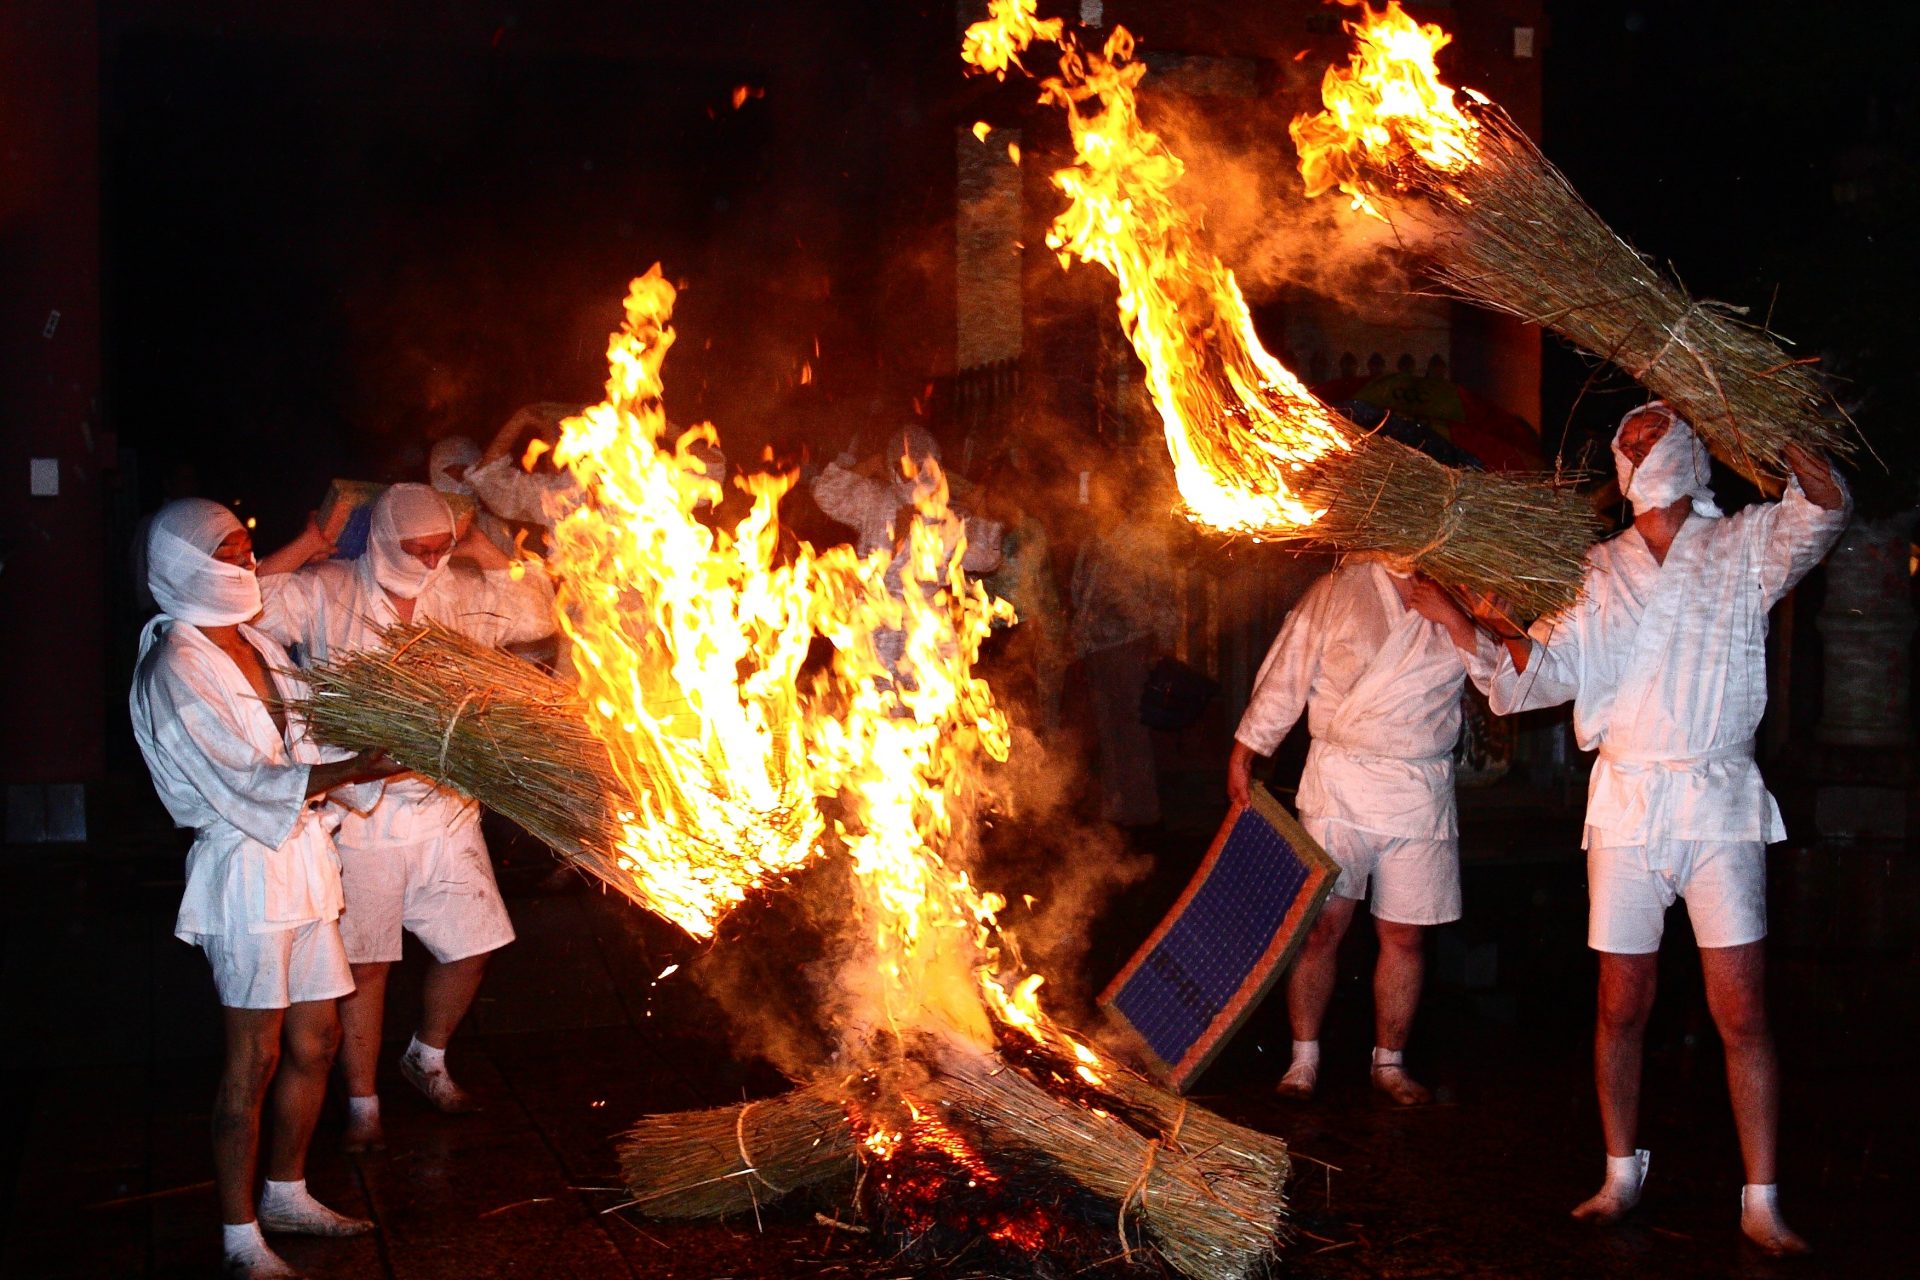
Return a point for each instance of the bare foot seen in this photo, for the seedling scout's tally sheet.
(1401, 1088)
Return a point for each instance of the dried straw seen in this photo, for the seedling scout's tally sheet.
(725, 1160)
(1210, 1216)
(1522, 537)
(1206, 1194)
(1509, 232)
(500, 729)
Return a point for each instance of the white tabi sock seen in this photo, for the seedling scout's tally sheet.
(289, 1206)
(242, 1239)
(426, 1055)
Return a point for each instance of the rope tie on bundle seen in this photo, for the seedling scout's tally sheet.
(748, 1166)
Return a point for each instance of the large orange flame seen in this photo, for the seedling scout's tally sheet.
(1386, 103)
(1239, 425)
(688, 643)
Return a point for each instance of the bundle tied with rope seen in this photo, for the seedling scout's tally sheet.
(1497, 224)
(489, 724)
(1205, 1196)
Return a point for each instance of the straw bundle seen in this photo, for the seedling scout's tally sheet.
(1522, 537)
(1206, 1194)
(1508, 231)
(499, 729)
(1210, 1216)
(707, 1164)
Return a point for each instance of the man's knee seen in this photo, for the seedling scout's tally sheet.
(1626, 992)
(249, 1070)
(312, 1047)
(1402, 939)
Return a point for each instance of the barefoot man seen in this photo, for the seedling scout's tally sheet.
(1664, 659)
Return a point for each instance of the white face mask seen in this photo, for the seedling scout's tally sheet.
(405, 512)
(186, 581)
(1676, 467)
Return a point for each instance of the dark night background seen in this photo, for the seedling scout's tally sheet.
(323, 236)
(346, 250)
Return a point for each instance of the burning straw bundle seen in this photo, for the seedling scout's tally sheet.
(1254, 452)
(1522, 537)
(500, 729)
(1205, 1194)
(1502, 227)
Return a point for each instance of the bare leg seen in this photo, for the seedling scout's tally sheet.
(362, 1015)
(361, 1018)
(311, 1037)
(1736, 996)
(253, 1054)
(1396, 994)
(450, 989)
(1396, 981)
(1627, 984)
(1310, 984)
(1310, 989)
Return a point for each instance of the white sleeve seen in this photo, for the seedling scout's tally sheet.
(983, 545)
(286, 607)
(1280, 689)
(1792, 535)
(512, 492)
(193, 724)
(1553, 669)
(852, 498)
(498, 607)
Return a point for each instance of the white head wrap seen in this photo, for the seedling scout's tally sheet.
(186, 581)
(404, 512)
(454, 451)
(1675, 467)
(911, 455)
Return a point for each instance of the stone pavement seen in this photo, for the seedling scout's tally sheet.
(109, 1057)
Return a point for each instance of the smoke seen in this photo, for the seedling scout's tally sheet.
(1058, 872)
(1242, 181)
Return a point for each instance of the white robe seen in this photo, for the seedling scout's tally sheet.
(870, 505)
(1666, 667)
(334, 608)
(262, 858)
(1381, 688)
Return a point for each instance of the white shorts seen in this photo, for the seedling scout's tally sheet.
(441, 890)
(1414, 881)
(274, 970)
(1724, 883)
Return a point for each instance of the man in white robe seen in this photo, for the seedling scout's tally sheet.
(868, 503)
(1380, 685)
(1664, 660)
(416, 860)
(263, 884)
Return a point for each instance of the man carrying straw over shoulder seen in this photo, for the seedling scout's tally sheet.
(1664, 659)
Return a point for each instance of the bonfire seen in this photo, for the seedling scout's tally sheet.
(1254, 452)
(1465, 186)
(697, 760)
